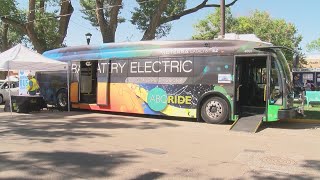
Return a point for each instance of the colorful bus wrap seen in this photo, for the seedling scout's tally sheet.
(214, 81)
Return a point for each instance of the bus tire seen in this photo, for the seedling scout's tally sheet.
(215, 110)
(62, 100)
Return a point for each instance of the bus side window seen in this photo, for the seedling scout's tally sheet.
(307, 77)
(318, 79)
(207, 69)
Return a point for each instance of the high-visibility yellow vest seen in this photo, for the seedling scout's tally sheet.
(35, 85)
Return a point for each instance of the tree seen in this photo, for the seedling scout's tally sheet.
(154, 17)
(209, 28)
(103, 14)
(151, 17)
(45, 30)
(148, 15)
(314, 45)
(9, 36)
(276, 31)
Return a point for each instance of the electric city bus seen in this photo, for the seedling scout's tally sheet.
(211, 80)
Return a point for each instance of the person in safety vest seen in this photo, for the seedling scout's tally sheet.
(33, 85)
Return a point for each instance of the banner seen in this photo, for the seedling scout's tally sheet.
(23, 81)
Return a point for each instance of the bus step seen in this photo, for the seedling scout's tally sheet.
(248, 124)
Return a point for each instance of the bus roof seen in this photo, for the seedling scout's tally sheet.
(155, 48)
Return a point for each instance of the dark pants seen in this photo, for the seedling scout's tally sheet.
(32, 93)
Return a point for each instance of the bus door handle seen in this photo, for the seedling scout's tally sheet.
(238, 92)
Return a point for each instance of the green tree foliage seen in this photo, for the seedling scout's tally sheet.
(89, 6)
(156, 16)
(314, 45)
(44, 23)
(276, 31)
(89, 13)
(151, 17)
(210, 27)
(9, 36)
(141, 15)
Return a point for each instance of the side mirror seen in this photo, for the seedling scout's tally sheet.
(296, 59)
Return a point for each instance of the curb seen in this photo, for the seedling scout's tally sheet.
(306, 121)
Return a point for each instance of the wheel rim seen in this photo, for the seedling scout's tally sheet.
(214, 109)
(62, 100)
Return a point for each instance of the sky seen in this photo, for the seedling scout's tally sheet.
(304, 14)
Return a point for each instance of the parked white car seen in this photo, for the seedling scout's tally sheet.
(4, 89)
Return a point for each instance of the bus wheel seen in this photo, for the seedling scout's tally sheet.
(215, 110)
(62, 100)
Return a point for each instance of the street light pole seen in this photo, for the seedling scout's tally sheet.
(223, 18)
(88, 37)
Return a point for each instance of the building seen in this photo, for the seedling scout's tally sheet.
(313, 61)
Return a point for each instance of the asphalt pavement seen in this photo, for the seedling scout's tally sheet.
(86, 145)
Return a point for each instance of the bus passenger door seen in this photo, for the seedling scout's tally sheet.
(88, 82)
(75, 79)
(238, 85)
(250, 85)
(274, 91)
(103, 78)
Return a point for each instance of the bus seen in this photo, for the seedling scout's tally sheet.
(210, 80)
(302, 75)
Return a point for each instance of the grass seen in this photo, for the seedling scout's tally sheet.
(311, 112)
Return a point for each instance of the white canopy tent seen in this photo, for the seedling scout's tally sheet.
(22, 58)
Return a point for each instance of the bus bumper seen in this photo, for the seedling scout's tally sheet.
(288, 113)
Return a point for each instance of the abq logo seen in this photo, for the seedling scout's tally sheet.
(158, 99)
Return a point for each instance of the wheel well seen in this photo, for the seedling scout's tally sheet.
(61, 89)
(57, 101)
(58, 92)
(207, 96)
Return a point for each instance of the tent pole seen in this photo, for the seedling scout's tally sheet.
(10, 101)
(68, 81)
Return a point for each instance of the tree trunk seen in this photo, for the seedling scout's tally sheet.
(40, 47)
(108, 28)
(4, 37)
(113, 23)
(150, 33)
(65, 15)
(29, 29)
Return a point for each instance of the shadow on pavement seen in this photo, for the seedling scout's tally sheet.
(310, 165)
(64, 164)
(48, 128)
(149, 175)
(277, 175)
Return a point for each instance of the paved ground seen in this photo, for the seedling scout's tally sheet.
(82, 145)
